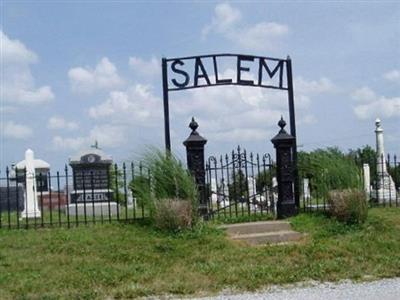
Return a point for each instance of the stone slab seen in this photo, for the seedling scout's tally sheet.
(100, 209)
(256, 227)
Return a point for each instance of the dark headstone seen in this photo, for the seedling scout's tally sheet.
(12, 198)
(91, 177)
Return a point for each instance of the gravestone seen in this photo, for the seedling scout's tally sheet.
(214, 196)
(42, 169)
(251, 185)
(31, 206)
(12, 197)
(92, 192)
(306, 189)
(367, 180)
(386, 190)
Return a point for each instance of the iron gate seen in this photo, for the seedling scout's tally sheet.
(240, 183)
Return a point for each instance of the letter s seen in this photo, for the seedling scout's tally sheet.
(179, 71)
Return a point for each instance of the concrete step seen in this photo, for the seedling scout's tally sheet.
(256, 227)
(283, 236)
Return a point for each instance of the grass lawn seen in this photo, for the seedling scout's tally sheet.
(125, 261)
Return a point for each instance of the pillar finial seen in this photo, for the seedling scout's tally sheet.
(193, 125)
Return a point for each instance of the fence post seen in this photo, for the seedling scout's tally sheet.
(283, 143)
(195, 162)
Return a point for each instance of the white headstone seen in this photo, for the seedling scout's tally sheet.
(31, 207)
(386, 189)
(306, 189)
(274, 182)
(251, 183)
(274, 195)
(367, 180)
(214, 196)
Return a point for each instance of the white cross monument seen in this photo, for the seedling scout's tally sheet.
(31, 207)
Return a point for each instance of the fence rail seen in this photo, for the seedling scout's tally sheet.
(60, 201)
(237, 184)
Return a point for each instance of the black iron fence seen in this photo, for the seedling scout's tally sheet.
(70, 198)
(237, 184)
(240, 184)
(379, 177)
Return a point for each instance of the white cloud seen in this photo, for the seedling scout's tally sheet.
(146, 68)
(364, 94)
(393, 75)
(381, 107)
(18, 84)
(372, 105)
(260, 36)
(62, 143)
(246, 113)
(57, 122)
(225, 17)
(312, 87)
(109, 136)
(87, 80)
(136, 106)
(241, 134)
(13, 51)
(16, 131)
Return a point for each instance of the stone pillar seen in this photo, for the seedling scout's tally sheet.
(380, 151)
(195, 162)
(283, 143)
(31, 206)
(386, 189)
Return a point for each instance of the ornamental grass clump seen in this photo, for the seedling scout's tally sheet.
(329, 169)
(173, 215)
(348, 206)
(168, 192)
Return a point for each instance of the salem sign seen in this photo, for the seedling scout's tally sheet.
(203, 71)
(191, 72)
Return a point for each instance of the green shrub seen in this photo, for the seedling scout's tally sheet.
(167, 179)
(348, 206)
(173, 215)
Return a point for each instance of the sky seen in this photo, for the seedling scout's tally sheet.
(73, 72)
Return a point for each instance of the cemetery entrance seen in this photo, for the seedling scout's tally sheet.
(240, 184)
(229, 184)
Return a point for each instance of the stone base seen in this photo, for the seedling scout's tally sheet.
(384, 195)
(31, 214)
(100, 209)
(285, 210)
(386, 191)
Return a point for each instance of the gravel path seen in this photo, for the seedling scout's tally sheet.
(386, 289)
